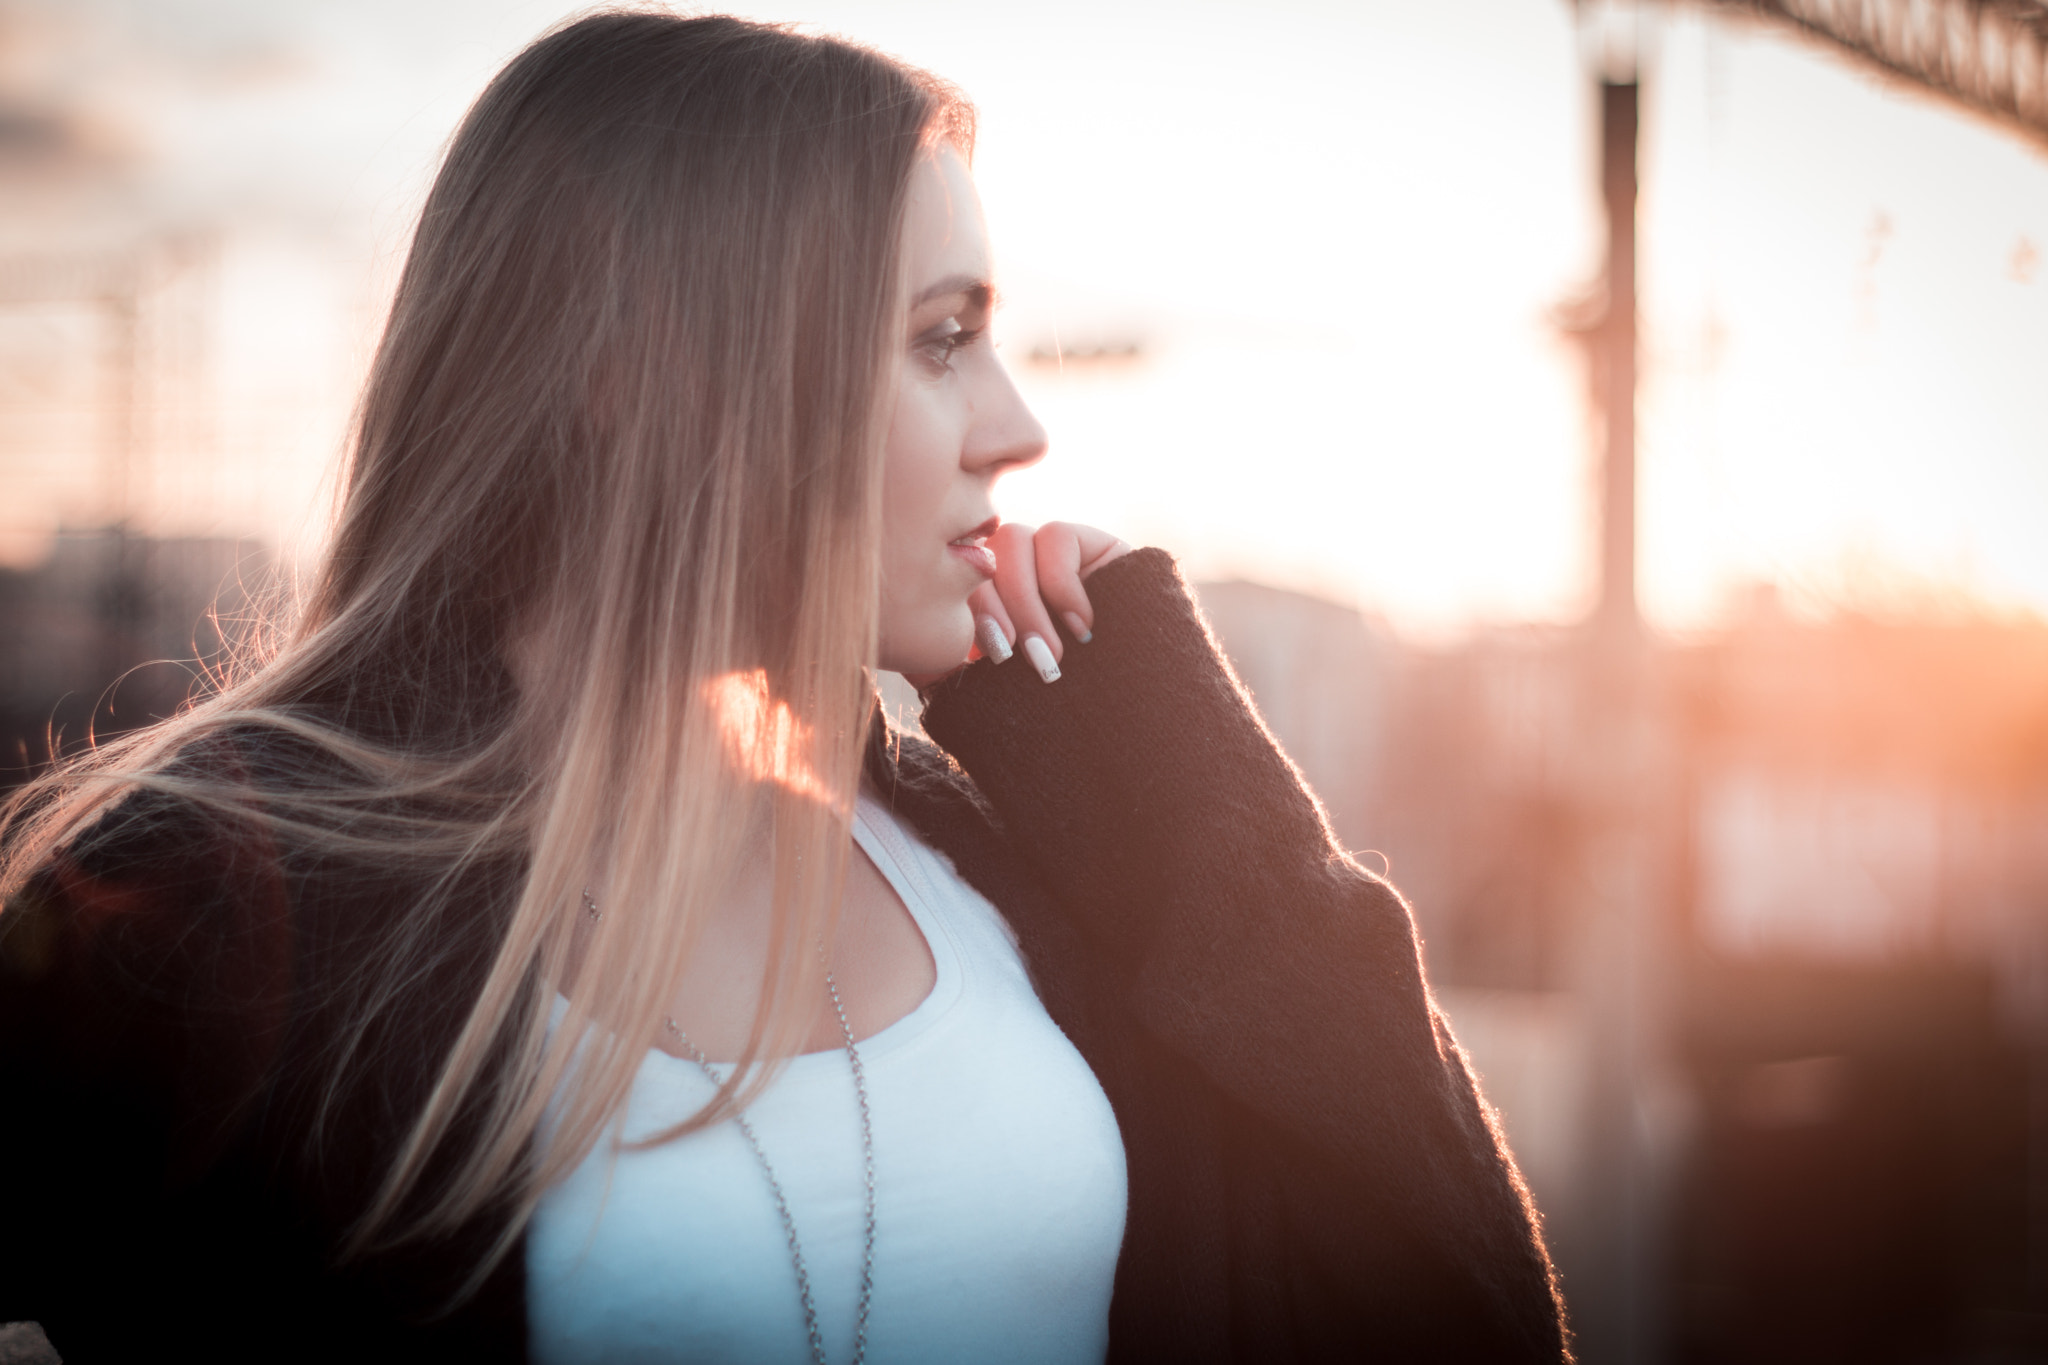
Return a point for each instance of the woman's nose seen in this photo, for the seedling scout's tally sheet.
(1005, 433)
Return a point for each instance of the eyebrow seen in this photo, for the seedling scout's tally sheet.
(980, 293)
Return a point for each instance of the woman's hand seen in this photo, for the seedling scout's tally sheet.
(1039, 572)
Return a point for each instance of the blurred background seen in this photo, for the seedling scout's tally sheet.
(1612, 441)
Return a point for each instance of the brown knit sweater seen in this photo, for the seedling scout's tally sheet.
(1312, 1174)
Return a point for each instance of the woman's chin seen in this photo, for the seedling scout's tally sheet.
(928, 668)
(931, 652)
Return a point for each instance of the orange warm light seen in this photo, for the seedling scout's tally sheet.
(763, 738)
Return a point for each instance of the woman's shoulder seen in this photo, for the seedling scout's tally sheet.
(904, 767)
(922, 785)
(168, 828)
(219, 924)
(134, 911)
(178, 904)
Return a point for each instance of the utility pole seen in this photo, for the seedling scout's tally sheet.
(1615, 343)
(1616, 1272)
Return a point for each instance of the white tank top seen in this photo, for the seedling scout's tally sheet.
(999, 1178)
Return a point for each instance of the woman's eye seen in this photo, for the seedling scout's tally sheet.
(938, 346)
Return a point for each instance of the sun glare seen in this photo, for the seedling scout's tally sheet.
(764, 741)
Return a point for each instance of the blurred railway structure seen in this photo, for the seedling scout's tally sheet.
(1989, 57)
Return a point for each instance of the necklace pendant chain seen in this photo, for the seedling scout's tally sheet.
(867, 1163)
(867, 1157)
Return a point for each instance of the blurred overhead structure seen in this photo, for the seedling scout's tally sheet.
(1989, 56)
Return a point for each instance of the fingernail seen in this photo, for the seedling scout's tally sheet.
(1076, 627)
(992, 642)
(1040, 654)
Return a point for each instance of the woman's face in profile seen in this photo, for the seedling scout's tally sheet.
(958, 422)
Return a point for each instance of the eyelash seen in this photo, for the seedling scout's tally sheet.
(939, 351)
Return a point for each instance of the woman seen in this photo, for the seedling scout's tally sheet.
(547, 952)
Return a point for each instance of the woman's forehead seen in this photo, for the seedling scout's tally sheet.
(945, 237)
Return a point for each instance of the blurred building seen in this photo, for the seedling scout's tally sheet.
(111, 631)
(1845, 1084)
(107, 305)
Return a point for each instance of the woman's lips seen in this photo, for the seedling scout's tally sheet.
(973, 547)
(979, 556)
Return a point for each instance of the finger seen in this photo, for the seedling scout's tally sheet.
(1017, 582)
(1067, 553)
(1099, 548)
(1059, 553)
(994, 633)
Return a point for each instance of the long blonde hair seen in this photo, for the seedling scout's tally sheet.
(603, 586)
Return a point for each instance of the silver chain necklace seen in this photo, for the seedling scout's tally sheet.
(867, 1155)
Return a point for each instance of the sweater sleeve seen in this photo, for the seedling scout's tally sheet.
(1185, 850)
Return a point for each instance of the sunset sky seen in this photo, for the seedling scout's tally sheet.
(1339, 235)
